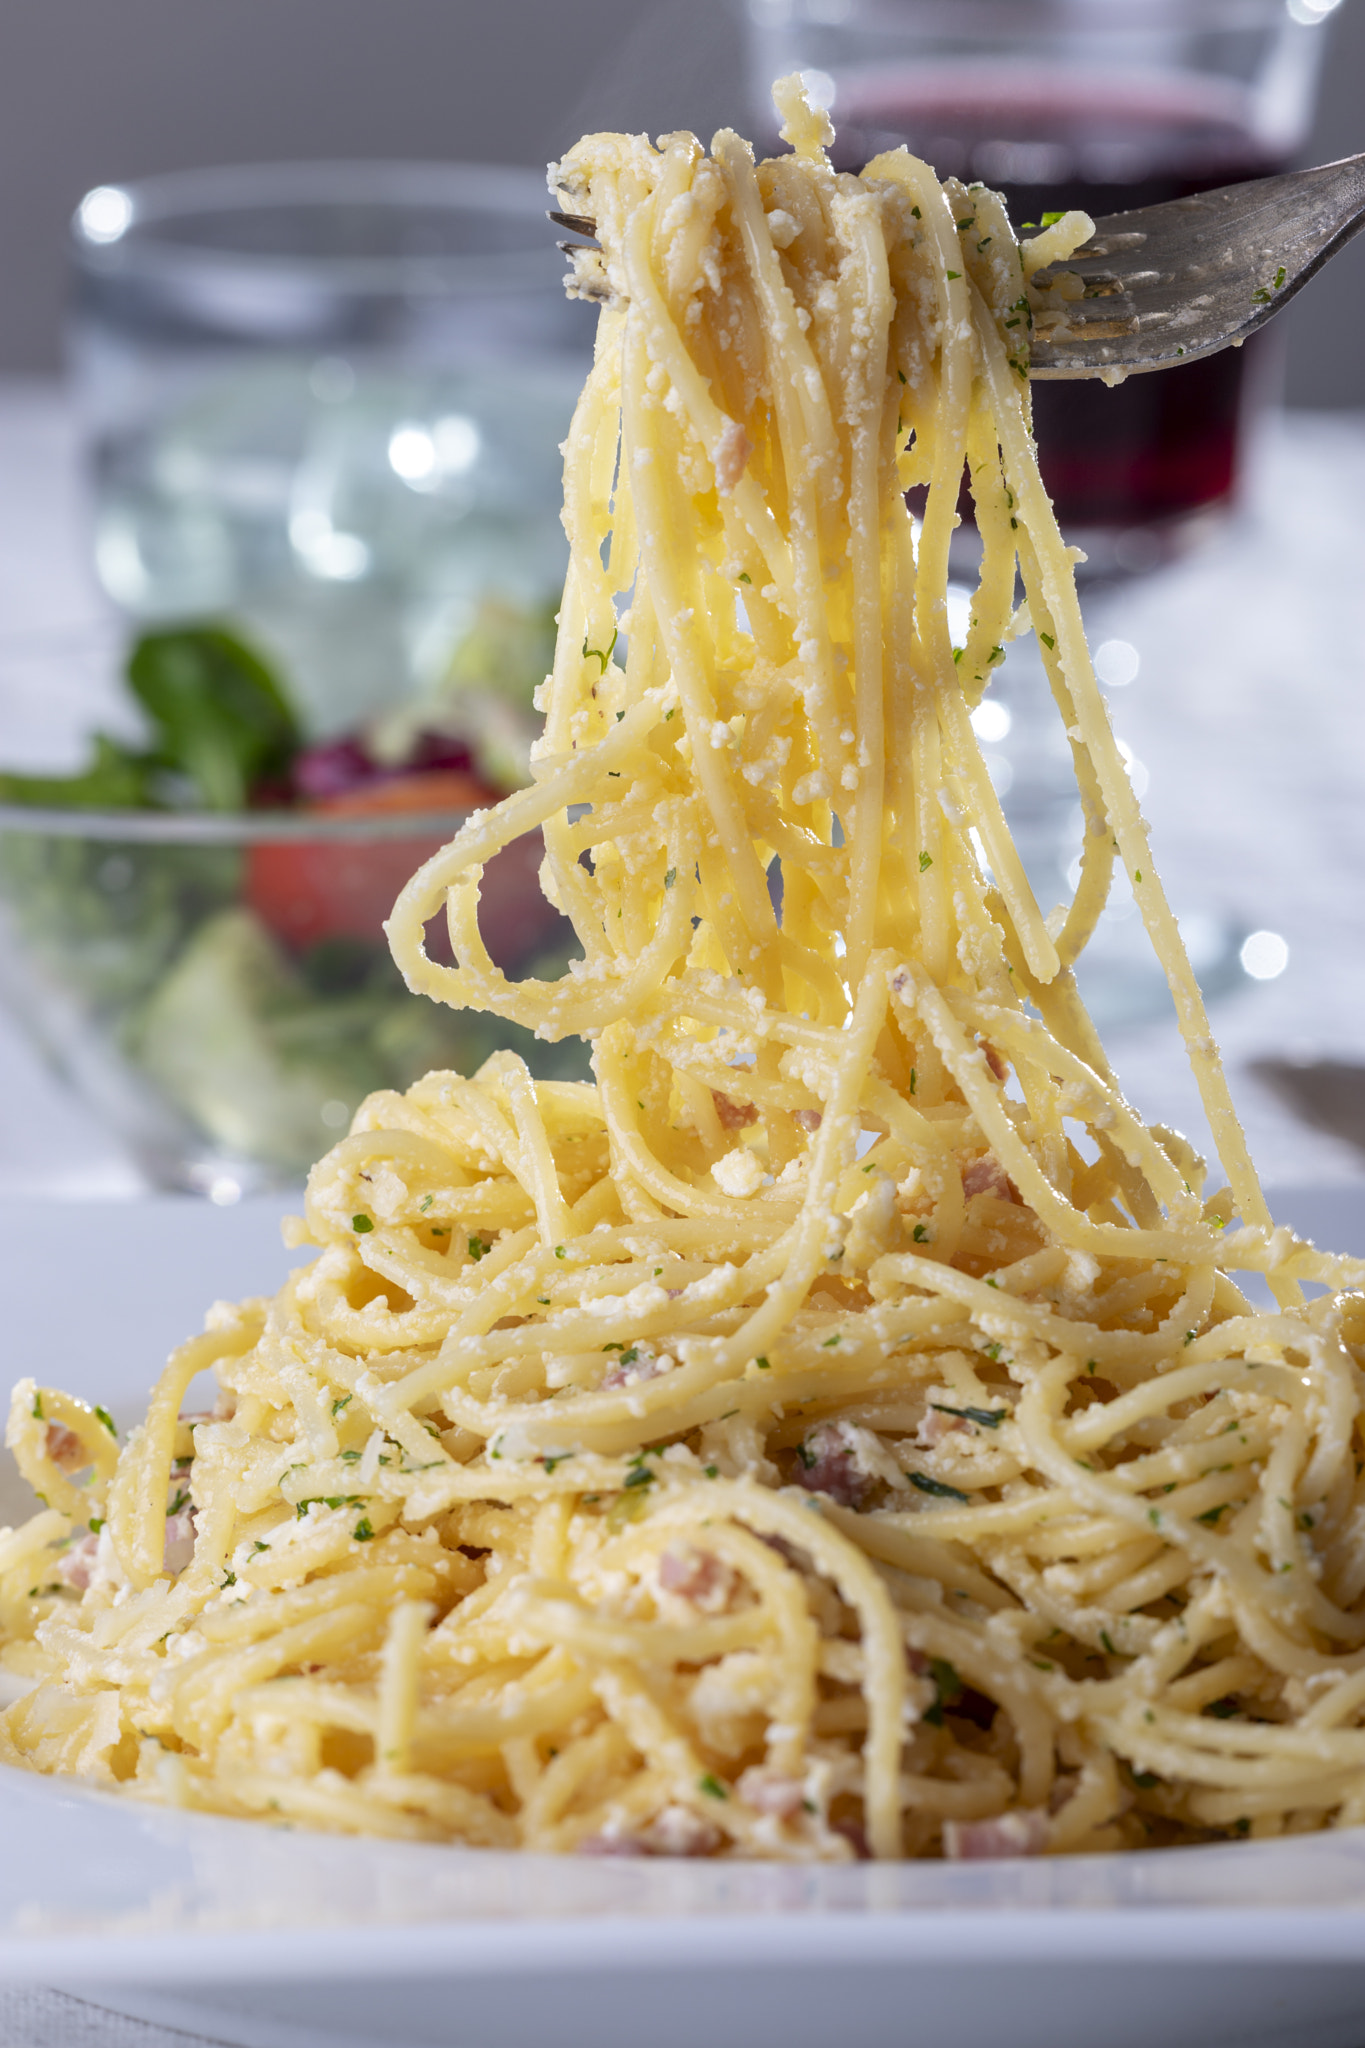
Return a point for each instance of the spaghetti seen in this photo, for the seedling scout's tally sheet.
(838, 1429)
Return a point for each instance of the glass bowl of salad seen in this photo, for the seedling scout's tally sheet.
(192, 929)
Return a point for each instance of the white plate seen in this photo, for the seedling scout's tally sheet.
(271, 1938)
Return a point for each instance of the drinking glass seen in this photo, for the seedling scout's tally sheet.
(1096, 104)
(325, 401)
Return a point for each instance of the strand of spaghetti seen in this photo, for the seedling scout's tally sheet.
(1121, 804)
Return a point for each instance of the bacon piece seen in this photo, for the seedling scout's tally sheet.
(628, 1371)
(698, 1576)
(612, 1845)
(65, 1448)
(733, 1115)
(993, 1060)
(677, 1831)
(771, 1792)
(808, 1120)
(826, 1464)
(1021, 1832)
(986, 1176)
(75, 1567)
(936, 1426)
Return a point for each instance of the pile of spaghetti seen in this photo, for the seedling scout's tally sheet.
(838, 1430)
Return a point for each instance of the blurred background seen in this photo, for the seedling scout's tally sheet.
(195, 989)
(92, 95)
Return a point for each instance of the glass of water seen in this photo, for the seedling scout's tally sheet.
(325, 401)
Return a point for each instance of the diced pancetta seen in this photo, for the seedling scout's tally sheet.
(827, 1463)
(986, 1176)
(1021, 1832)
(65, 1448)
(698, 1576)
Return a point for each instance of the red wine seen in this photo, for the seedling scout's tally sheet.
(1161, 447)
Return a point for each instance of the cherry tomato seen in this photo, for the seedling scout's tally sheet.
(306, 891)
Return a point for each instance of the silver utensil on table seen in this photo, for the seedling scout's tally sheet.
(1168, 284)
(1328, 1095)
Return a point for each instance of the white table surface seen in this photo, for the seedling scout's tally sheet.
(1248, 712)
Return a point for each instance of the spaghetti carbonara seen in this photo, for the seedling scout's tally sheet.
(838, 1430)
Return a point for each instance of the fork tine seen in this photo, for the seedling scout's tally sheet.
(577, 223)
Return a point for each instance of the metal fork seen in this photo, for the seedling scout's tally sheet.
(1168, 284)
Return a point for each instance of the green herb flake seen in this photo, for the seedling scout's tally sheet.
(37, 1410)
(1210, 1515)
(95, 1524)
(1047, 641)
(103, 1415)
(914, 1080)
(425, 1204)
(918, 215)
(954, 273)
(597, 654)
(670, 878)
(559, 1251)
(1222, 1710)
(1105, 1639)
(478, 1249)
(926, 861)
(948, 1689)
(363, 1531)
(938, 1488)
(342, 1401)
(711, 1471)
(639, 1475)
(988, 1418)
(745, 577)
(762, 1364)
(711, 1786)
(1280, 276)
(920, 1234)
(360, 1225)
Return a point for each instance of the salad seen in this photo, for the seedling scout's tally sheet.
(236, 1000)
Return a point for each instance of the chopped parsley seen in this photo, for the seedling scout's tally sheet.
(920, 1234)
(926, 861)
(342, 1401)
(327, 1500)
(711, 1786)
(954, 273)
(670, 878)
(597, 654)
(478, 1249)
(37, 1410)
(939, 1488)
(103, 1415)
(914, 1080)
(425, 1204)
(1280, 277)
(96, 1523)
(1047, 641)
(762, 1364)
(360, 1224)
(744, 576)
(989, 1418)
(363, 1530)
(553, 1458)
